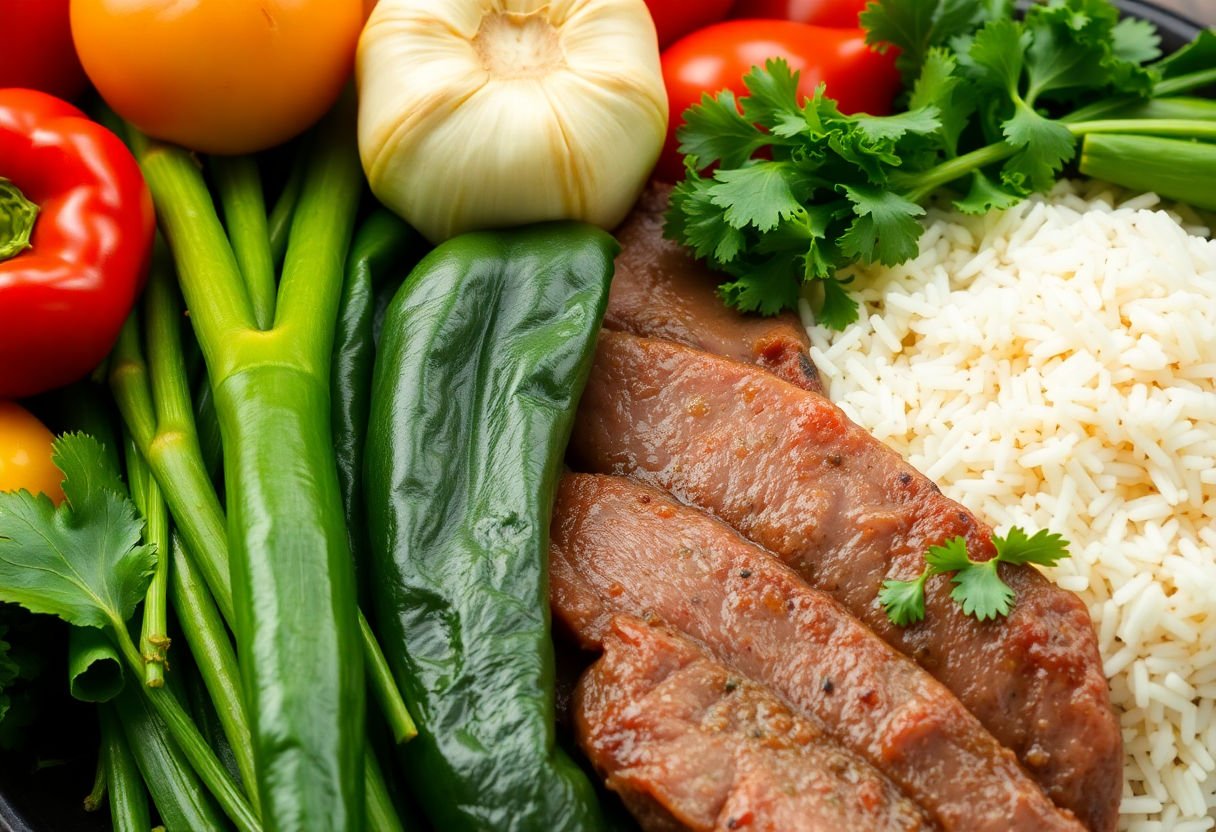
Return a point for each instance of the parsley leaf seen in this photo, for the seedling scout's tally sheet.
(885, 229)
(1042, 548)
(948, 557)
(81, 561)
(714, 131)
(916, 25)
(1045, 146)
(981, 592)
(757, 195)
(904, 601)
(985, 195)
(977, 585)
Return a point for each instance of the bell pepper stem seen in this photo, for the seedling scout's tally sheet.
(240, 191)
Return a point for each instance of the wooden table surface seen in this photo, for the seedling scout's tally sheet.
(1203, 11)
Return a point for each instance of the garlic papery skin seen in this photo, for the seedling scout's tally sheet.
(477, 114)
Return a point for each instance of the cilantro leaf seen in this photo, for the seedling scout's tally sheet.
(81, 561)
(997, 55)
(920, 121)
(1135, 40)
(904, 601)
(985, 195)
(1060, 55)
(885, 229)
(916, 25)
(756, 195)
(714, 131)
(766, 287)
(981, 592)
(1043, 548)
(1045, 146)
(949, 556)
(839, 308)
(772, 99)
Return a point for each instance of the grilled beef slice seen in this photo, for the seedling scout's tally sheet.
(789, 470)
(689, 744)
(617, 546)
(659, 291)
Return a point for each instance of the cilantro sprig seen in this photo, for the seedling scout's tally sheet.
(780, 192)
(978, 587)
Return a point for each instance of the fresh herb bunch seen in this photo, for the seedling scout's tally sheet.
(977, 584)
(796, 191)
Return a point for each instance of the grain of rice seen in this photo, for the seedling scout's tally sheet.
(1053, 366)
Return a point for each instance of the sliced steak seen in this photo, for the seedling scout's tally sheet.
(619, 546)
(788, 470)
(659, 291)
(689, 744)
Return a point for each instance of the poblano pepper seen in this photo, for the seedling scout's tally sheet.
(483, 356)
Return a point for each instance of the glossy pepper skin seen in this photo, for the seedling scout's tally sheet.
(64, 298)
(383, 248)
(484, 354)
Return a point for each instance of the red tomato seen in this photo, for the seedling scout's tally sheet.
(836, 14)
(38, 53)
(676, 18)
(717, 57)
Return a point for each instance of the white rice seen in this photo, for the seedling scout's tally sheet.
(1052, 367)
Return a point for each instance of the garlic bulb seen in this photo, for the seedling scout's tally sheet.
(481, 114)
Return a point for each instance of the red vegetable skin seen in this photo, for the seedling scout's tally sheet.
(718, 57)
(38, 53)
(64, 298)
(676, 18)
(836, 14)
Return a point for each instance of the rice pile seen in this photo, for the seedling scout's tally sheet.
(1052, 367)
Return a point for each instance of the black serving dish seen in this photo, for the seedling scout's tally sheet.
(44, 793)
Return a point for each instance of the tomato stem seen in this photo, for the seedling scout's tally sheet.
(17, 216)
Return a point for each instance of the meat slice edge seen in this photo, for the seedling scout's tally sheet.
(661, 292)
(618, 546)
(789, 470)
(685, 740)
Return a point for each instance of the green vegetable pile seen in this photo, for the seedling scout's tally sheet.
(217, 541)
(780, 192)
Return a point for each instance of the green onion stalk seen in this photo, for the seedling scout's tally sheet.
(291, 594)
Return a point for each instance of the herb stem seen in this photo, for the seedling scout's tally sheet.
(923, 184)
(1185, 83)
(1184, 128)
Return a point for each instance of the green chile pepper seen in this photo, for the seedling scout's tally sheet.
(383, 248)
(483, 356)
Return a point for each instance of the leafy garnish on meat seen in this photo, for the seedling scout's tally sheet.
(978, 587)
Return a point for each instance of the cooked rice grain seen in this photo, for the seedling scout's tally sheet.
(1052, 367)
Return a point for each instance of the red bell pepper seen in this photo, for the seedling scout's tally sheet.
(76, 226)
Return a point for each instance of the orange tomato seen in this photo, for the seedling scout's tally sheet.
(25, 454)
(218, 76)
